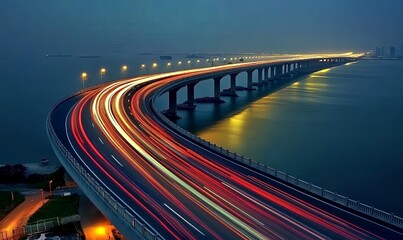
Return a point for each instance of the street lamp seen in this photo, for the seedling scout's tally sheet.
(50, 187)
(124, 69)
(84, 77)
(103, 73)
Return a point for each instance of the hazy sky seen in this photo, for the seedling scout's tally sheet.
(199, 25)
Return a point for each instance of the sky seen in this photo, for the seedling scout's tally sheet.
(280, 26)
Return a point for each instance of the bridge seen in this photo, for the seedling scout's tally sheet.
(154, 180)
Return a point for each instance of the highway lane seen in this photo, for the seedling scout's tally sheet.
(181, 189)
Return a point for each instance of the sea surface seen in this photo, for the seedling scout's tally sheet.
(339, 128)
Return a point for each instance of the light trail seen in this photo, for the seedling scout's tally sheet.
(153, 171)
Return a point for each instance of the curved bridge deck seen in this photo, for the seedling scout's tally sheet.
(154, 180)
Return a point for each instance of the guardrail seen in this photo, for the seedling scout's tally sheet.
(47, 224)
(134, 223)
(329, 195)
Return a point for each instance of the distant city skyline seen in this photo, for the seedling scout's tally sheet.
(392, 51)
(286, 26)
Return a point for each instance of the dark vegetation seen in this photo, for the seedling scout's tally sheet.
(15, 174)
(12, 174)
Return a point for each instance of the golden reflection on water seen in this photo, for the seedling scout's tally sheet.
(350, 63)
(232, 133)
(323, 71)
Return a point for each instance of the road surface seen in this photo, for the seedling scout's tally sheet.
(183, 190)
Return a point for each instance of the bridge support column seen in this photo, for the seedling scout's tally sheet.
(250, 79)
(265, 75)
(231, 92)
(191, 94)
(172, 101)
(259, 76)
(217, 87)
(233, 82)
(189, 103)
(279, 71)
(271, 78)
(172, 106)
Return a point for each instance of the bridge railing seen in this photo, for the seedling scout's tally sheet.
(316, 190)
(137, 225)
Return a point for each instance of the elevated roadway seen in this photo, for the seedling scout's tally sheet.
(153, 180)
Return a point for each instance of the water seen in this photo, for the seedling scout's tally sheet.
(340, 128)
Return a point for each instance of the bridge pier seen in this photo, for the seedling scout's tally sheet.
(217, 87)
(172, 100)
(273, 73)
(250, 79)
(172, 106)
(279, 71)
(191, 93)
(231, 92)
(250, 83)
(259, 76)
(266, 75)
(233, 82)
(189, 103)
(271, 78)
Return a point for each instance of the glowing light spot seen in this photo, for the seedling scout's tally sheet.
(100, 231)
(84, 75)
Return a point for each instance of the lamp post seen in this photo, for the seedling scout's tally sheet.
(143, 68)
(103, 73)
(124, 69)
(155, 65)
(42, 194)
(169, 65)
(50, 187)
(84, 77)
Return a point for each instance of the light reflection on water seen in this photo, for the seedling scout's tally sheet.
(340, 129)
